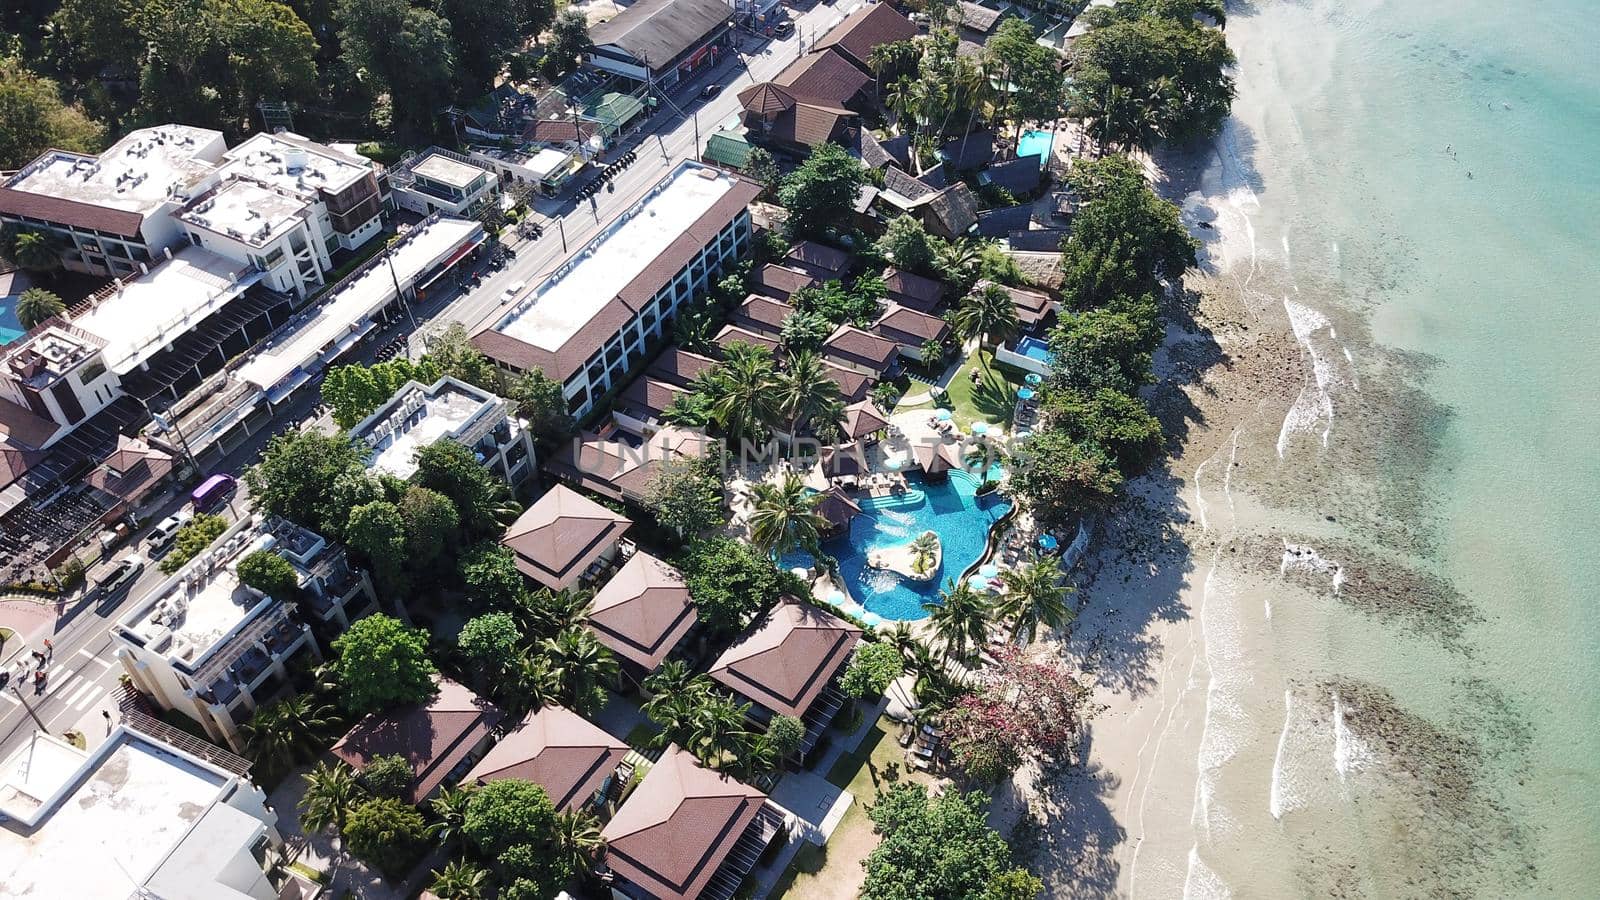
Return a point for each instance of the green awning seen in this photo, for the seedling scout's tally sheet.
(614, 111)
(728, 149)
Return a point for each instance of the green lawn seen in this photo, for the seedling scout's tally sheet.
(991, 400)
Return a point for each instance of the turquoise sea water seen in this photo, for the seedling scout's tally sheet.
(1417, 183)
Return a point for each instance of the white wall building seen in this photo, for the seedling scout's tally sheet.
(441, 181)
(418, 415)
(136, 817)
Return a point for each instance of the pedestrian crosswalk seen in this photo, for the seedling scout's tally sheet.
(76, 688)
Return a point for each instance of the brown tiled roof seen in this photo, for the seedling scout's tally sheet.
(643, 611)
(836, 506)
(909, 327)
(1032, 306)
(131, 470)
(826, 77)
(936, 458)
(624, 471)
(557, 131)
(873, 24)
(954, 210)
(812, 124)
(674, 831)
(785, 659)
(572, 355)
(557, 749)
(561, 534)
(679, 366)
(434, 737)
(646, 398)
(863, 418)
(733, 334)
(853, 385)
(856, 345)
(763, 315)
(22, 428)
(912, 290)
(819, 259)
(766, 99)
(70, 212)
(781, 281)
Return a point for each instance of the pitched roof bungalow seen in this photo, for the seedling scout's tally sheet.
(440, 738)
(862, 351)
(642, 613)
(679, 366)
(639, 407)
(563, 536)
(733, 334)
(820, 260)
(913, 291)
(826, 77)
(688, 832)
(763, 315)
(867, 27)
(910, 329)
(781, 282)
(1033, 307)
(573, 759)
(623, 466)
(785, 664)
(853, 385)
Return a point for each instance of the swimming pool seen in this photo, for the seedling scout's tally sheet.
(950, 508)
(1034, 348)
(1036, 143)
(10, 328)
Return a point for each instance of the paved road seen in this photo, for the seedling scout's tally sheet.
(84, 671)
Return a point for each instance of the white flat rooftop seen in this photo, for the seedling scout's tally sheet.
(354, 303)
(136, 174)
(547, 161)
(246, 212)
(555, 310)
(154, 310)
(202, 603)
(273, 159)
(445, 170)
(105, 837)
(442, 414)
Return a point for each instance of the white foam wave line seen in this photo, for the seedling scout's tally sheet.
(1200, 504)
(1275, 795)
(1300, 557)
(1308, 408)
(1341, 740)
(1201, 883)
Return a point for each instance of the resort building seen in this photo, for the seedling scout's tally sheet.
(762, 315)
(680, 367)
(910, 329)
(688, 833)
(208, 646)
(341, 188)
(565, 539)
(442, 739)
(793, 125)
(442, 181)
(781, 282)
(853, 385)
(661, 42)
(863, 351)
(417, 415)
(913, 291)
(643, 613)
(592, 322)
(576, 762)
(623, 466)
(548, 168)
(135, 817)
(786, 663)
(819, 260)
(734, 334)
(864, 29)
(640, 406)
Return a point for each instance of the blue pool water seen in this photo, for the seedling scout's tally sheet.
(950, 509)
(1034, 348)
(1036, 143)
(10, 328)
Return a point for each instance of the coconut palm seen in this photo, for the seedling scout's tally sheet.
(784, 517)
(893, 57)
(36, 305)
(330, 790)
(577, 839)
(459, 880)
(957, 260)
(986, 315)
(960, 618)
(924, 547)
(35, 252)
(745, 393)
(903, 639)
(529, 685)
(450, 812)
(757, 757)
(828, 424)
(547, 613)
(281, 735)
(718, 730)
(804, 389)
(1035, 595)
(582, 666)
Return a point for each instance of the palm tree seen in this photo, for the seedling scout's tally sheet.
(582, 666)
(1035, 595)
(923, 549)
(675, 713)
(902, 638)
(459, 880)
(450, 811)
(547, 613)
(986, 315)
(757, 757)
(330, 790)
(577, 839)
(745, 392)
(957, 260)
(530, 685)
(673, 678)
(36, 305)
(828, 424)
(35, 252)
(908, 98)
(804, 389)
(961, 618)
(279, 736)
(718, 730)
(784, 517)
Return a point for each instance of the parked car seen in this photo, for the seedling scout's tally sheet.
(512, 292)
(161, 535)
(128, 569)
(710, 90)
(783, 29)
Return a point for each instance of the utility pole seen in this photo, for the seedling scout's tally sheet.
(31, 714)
(399, 294)
(172, 426)
(562, 227)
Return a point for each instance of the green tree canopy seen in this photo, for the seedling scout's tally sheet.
(786, 734)
(933, 847)
(541, 401)
(907, 243)
(1060, 478)
(490, 573)
(687, 496)
(1101, 348)
(34, 118)
(297, 472)
(730, 582)
(1125, 238)
(490, 643)
(431, 526)
(405, 51)
(386, 832)
(269, 573)
(451, 469)
(388, 775)
(821, 192)
(382, 663)
(872, 669)
(193, 538)
(1138, 81)
(354, 391)
(1107, 418)
(377, 532)
(509, 812)
(569, 39)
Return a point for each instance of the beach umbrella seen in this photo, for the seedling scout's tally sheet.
(800, 572)
(1034, 379)
(872, 619)
(980, 427)
(1025, 393)
(836, 598)
(1047, 542)
(988, 570)
(942, 415)
(978, 583)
